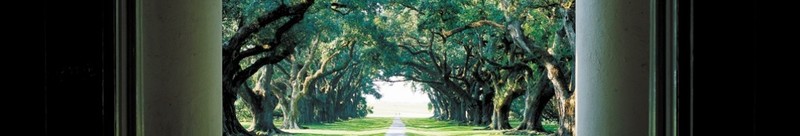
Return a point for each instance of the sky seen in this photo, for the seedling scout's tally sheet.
(398, 100)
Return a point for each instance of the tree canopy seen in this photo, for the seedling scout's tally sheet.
(472, 57)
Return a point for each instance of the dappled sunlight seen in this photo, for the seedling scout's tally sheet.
(431, 127)
(333, 132)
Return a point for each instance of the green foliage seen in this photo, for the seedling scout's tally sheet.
(242, 111)
(378, 29)
(517, 108)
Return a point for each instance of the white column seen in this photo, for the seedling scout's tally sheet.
(180, 67)
(612, 67)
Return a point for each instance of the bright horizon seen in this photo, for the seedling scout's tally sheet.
(398, 100)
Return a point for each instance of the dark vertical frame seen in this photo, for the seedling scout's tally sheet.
(671, 68)
(659, 67)
(125, 69)
(130, 8)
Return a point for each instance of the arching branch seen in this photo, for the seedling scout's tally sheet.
(232, 46)
(336, 7)
(275, 42)
(413, 53)
(475, 24)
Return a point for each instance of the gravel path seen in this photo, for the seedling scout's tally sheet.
(397, 128)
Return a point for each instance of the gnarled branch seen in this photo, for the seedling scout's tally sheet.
(244, 32)
(474, 24)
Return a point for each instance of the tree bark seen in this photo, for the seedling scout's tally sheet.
(554, 70)
(234, 76)
(231, 125)
(500, 118)
(536, 102)
(487, 110)
(263, 118)
(565, 98)
(502, 109)
(291, 119)
(262, 102)
(462, 109)
(474, 114)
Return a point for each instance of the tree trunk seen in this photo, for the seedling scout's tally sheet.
(500, 119)
(488, 108)
(233, 75)
(306, 111)
(564, 95)
(474, 114)
(290, 120)
(454, 111)
(459, 112)
(486, 113)
(445, 107)
(434, 103)
(500, 116)
(284, 109)
(565, 98)
(262, 102)
(231, 125)
(263, 119)
(535, 105)
(567, 116)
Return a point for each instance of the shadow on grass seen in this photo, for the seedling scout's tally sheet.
(372, 126)
(377, 126)
(428, 126)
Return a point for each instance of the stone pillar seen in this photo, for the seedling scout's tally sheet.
(612, 60)
(179, 67)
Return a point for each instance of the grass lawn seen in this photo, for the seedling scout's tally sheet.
(246, 124)
(358, 124)
(371, 126)
(377, 126)
(426, 126)
(550, 127)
